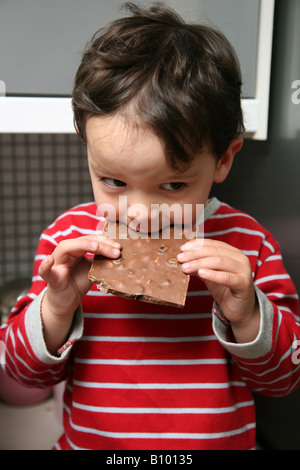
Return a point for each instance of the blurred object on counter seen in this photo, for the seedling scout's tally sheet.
(10, 292)
(13, 393)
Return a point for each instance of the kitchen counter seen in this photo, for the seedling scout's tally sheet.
(33, 427)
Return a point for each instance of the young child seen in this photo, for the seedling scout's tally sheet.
(158, 103)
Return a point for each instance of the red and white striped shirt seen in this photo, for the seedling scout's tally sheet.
(142, 376)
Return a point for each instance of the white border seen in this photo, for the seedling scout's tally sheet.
(263, 75)
(54, 115)
(36, 115)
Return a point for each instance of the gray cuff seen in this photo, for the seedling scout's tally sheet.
(262, 343)
(34, 329)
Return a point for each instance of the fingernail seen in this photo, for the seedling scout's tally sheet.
(180, 256)
(186, 246)
(116, 252)
(186, 266)
(117, 245)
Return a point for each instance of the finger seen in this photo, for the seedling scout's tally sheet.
(202, 243)
(235, 282)
(217, 277)
(45, 268)
(217, 263)
(56, 275)
(69, 252)
(210, 252)
(109, 241)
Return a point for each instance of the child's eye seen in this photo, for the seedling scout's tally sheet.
(113, 183)
(173, 186)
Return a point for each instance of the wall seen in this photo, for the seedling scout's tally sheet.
(265, 181)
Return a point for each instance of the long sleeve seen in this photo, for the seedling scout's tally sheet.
(26, 356)
(267, 364)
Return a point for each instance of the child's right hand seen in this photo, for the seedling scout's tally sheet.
(66, 273)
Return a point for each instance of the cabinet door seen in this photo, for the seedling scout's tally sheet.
(41, 44)
(41, 41)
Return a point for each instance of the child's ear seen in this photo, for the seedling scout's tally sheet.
(225, 162)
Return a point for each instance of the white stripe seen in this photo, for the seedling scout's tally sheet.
(39, 257)
(44, 236)
(250, 252)
(247, 231)
(16, 309)
(31, 296)
(235, 214)
(19, 377)
(268, 371)
(286, 309)
(75, 212)
(37, 278)
(74, 447)
(242, 230)
(22, 361)
(274, 258)
(74, 228)
(149, 339)
(281, 391)
(133, 410)
(163, 435)
(278, 379)
(97, 293)
(150, 362)
(271, 278)
(279, 295)
(159, 386)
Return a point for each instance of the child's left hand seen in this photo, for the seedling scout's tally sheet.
(227, 274)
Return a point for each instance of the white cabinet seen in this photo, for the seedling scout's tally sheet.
(41, 44)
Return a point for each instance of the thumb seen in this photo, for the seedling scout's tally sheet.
(45, 268)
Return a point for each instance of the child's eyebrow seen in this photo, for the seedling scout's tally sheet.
(101, 169)
(189, 173)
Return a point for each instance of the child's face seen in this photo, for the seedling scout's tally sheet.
(127, 160)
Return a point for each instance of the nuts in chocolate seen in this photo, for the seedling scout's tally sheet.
(147, 270)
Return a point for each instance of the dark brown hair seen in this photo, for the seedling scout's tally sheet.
(183, 81)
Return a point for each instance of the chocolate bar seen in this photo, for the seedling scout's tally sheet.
(147, 269)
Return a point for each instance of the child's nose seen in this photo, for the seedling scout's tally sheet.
(139, 210)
